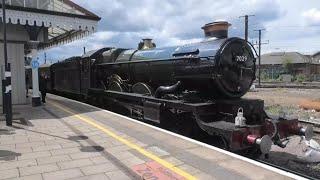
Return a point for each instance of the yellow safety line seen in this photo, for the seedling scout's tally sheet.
(128, 143)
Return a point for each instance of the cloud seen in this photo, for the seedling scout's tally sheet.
(312, 16)
(104, 35)
(169, 22)
(179, 18)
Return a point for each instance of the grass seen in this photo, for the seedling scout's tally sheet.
(277, 109)
(288, 111)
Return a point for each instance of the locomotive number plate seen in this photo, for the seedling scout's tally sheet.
(241, 58)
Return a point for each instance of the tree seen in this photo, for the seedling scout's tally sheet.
(287, 65)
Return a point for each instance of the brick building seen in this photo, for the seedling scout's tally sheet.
(275, 64)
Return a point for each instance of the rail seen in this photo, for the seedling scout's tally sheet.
(315, 125)
(289, 85)
(286, 169)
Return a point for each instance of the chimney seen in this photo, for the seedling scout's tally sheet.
(146, 44)
(217, 29)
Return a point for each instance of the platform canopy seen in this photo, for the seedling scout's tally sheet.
(65, 21)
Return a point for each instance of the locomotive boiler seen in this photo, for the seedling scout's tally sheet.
(216, 68)
(193, 89)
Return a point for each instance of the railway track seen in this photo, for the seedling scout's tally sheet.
(294, 169)
(290, 85)
(286, 169)
(300, 169)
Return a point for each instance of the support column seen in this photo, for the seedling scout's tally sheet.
(7, 105)
(36, 101)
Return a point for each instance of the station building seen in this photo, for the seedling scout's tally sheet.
(37, 25)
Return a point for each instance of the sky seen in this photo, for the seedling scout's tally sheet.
(290, 25)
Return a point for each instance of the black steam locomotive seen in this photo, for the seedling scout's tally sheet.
(195, 88)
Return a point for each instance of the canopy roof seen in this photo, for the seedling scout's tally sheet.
(65, 20)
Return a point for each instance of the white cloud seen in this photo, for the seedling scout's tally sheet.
(312, 16)
(178, 18)
(103, 35)
(173, 22)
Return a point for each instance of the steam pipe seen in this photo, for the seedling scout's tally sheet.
(162, 90)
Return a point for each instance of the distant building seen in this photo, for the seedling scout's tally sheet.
(316, 58)
(316, 65)
(294, 63)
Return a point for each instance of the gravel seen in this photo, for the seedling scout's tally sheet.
(287, 100)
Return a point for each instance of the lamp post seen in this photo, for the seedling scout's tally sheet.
(7, 82)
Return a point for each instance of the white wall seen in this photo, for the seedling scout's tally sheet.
(16, 58)
(15, 33)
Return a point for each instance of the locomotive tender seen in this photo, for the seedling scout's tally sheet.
(195, 88)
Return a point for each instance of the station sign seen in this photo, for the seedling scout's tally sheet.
(35, 64)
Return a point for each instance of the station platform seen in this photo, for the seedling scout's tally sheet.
(65, 139)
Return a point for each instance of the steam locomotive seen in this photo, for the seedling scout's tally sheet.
(195, 88)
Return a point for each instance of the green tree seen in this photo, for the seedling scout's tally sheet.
(301, 78)
(265, 76)
(287, 65)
